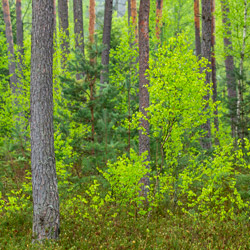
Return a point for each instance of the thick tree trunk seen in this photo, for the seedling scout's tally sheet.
(55, 33)
(159, 4)
(144, 143)
(78, 28)
(19, 36)
(229, 65)
(44, 180)
(206, 52)
(213, 65)
(197, 28)
(9, 37)
(91, 21)
(64, 29)
(106, 40)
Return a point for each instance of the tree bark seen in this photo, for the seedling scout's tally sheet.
(64, 29)
(213, 65)
(144, 143)
(106, 40)
(159, 4)
(134, 18)
(240, 98)
(197, 28)
(78, 28)
(206, 53)
(229, 65)
(19, 35)
(91, 21)
(44, 180)
(9, 37)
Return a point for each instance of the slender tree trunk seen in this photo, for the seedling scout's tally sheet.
(213, 65)
(197, 28)
(240, 98)
(64, 29)
(134, 18)
(19, 36)
(129, 11)
(106, 40)
(229, 65)
(78, 28)
(44, 180)
(144, 143)
(9, 37)
(159, 4)
(91, 21)
(206, 52)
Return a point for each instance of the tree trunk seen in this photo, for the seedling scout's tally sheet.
(144, 143)
(78, 28)
(106, 40)
(91, 21)
(9, 37)
(213, 65)
(240, 99)
(64, 29)
(197, 28)
(44, 180)
(129, 11)
(229, 65)
(19, 36)
(134, 18)
(206, 52)
(159, 4)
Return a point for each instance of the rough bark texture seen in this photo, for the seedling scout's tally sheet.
(213, 65)
(9, 37)
(197, 28)
(78, 28)
(229, 65)
(106, 40)
(64, 27)
(144, 143)
(159, 4)
(55, 33)
(19, 35)
(206, 52)
(91, 21)
(44, 180)
(134, 18)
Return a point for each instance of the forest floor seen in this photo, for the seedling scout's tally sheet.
(160, 231)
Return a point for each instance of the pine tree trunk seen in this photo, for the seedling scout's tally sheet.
(197, 28)
(229, 65)
(129, 11)
(240, 98)
(64, 29)
(91, 21)
(206, 52)
(19, 36)
(9, 37)
(44, 180)
(144, 143)
(134, 18)
(213, 65)
(78, 28)
(106, 40)
(159, 4)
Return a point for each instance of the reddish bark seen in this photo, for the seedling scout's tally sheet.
(134, 18)
(91, 21)
(159, 5)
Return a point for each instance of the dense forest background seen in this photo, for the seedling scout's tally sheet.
(150, 131)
